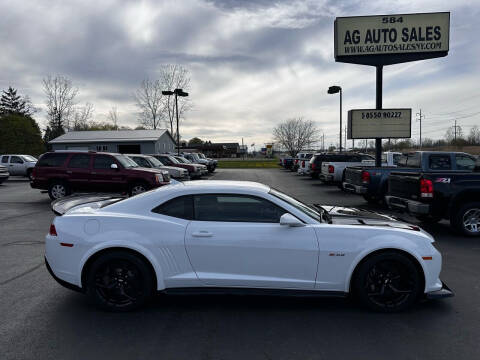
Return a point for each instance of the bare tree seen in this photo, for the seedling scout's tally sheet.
(452, 134)
(296, 134)
(175, 77)
(474, 136)
(82, 116)
(149, 102)
(113, 116)
(60, 103)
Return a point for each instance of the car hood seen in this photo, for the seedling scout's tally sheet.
(151, 170)
(172, 168)
(357, 216)
(91, 201)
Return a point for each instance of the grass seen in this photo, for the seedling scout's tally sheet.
(248, 164)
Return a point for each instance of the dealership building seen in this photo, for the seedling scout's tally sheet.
(119, 141)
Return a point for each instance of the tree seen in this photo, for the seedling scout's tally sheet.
(296, 134)
(195, 141)
(451, 135)
(60, 95)
(113, 116)
(81, 117)
(11, 103)
(474, 136)
(20, 134)
(149, 102)
(175, 77)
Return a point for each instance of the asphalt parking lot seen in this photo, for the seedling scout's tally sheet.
(41, 320)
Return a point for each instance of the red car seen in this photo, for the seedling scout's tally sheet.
(63, 172)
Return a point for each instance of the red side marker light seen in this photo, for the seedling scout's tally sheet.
(426, 257)
(53, 231)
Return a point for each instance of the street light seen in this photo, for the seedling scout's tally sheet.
(176, 92)
(333, 90)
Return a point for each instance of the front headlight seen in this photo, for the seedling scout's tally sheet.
(158, 178)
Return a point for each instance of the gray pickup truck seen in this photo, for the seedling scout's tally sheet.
(21, 165)
(371, 181)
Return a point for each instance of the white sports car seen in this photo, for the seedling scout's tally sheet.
(228, 236)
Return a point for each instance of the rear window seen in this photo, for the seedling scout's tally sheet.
(79, 161)
(5, 159)
(103, 162)
(179, 207)
(411, 160)
(439, 162)
(52, 159)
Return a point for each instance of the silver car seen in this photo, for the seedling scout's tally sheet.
(19, 164)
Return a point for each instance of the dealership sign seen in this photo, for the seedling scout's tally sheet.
(390, 39)
(383, 123)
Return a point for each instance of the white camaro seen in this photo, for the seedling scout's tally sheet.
(228, 236)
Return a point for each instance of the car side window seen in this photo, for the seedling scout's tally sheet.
(52, 159)
(16, 160)
(103, 162)
(179, 207)
(235, 208)
(142, 162)
(439, 162)
(464, 162)
(79, 161)
(5, 159)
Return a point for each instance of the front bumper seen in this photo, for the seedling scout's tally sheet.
(4, 177)
(411, 206)
(444, 292)
(356, 189)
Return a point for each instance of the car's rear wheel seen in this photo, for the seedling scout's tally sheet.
(138, 188)
(467, 219)
(29, 174)
(119, 281)
(58, 189)
(387, 282)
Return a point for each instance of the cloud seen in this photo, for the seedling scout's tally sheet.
(253, 63)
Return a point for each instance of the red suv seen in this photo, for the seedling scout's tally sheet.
(62, 172)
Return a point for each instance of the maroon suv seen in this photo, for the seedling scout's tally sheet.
(63, 172)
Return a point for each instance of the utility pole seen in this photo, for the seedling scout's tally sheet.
(323, 141)
(419, 118)
(345, 138)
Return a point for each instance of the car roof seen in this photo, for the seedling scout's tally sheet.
(226, 185)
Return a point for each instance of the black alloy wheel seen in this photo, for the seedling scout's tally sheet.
(119, 281)
(388, 282)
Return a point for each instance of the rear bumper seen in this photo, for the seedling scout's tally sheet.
(4, 177)
(444, 292)
(356, 189)
(411, 206)
(60, 281)
(326, 178)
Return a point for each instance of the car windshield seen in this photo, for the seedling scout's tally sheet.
(28, 158)
(155, 161)
(307, 210)
(182, 160)
(201, 156)
(172, 159)
(126, 161)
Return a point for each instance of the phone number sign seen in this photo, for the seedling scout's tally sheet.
(383, 123)
(390, 39)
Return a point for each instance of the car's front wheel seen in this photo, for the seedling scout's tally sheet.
(138, 188)
(119, 281)
(387, 282)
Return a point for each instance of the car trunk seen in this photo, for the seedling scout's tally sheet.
(404, 185)
(353, 175)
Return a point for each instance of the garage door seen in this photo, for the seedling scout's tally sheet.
(76, 148)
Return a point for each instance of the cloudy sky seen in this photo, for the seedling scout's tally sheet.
(252, 63)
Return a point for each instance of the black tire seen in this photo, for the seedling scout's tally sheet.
(466, 220)
(58, 189)
(314, 176)
(387, 282)
(138, 188)
(29, 174)
(119, 281)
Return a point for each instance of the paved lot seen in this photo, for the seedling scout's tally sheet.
(41, 320)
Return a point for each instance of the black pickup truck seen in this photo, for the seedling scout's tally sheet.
(371, 181)
(432, 196)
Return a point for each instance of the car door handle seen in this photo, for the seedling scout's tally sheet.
(202, 234)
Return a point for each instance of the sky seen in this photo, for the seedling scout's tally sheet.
(253, 64)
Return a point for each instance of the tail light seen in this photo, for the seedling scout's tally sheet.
(426, 188)
(303, 163)
(313, 166)
(34, 173)
(296, 161)
(331, 169)
(53, 231)
(284, 161)
(365, 177)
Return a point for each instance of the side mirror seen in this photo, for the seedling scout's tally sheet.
(114, 166)
(290, 220)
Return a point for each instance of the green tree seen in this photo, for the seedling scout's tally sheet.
(195, 141)
(20, 134)
(11, 103)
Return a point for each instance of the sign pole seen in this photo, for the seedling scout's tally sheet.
(378, 106)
